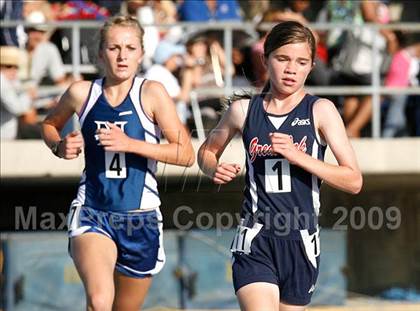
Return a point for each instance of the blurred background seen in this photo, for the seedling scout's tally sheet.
(367, 63)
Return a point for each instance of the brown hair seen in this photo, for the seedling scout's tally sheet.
(122, 21)
(281, 34)
(287, 33)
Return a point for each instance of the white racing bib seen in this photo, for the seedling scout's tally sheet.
(243, 238)
(312, 246)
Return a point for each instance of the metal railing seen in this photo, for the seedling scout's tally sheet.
(228, 27)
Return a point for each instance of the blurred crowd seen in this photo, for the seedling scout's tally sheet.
(34, 57)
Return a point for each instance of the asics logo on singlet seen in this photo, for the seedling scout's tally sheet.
(312, 289)
(300, 122)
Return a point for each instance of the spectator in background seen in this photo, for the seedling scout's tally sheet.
(166, 13)
(169, 59)
(291, 11)
(210, 59)
(402, 73)
(409, 14)
(205, 70)
(257, 49)
(41, 64)
(74, 11)
(113, 7)
(15, 102)
(336, 11)
(353, 61)
(79, 10)
(154, 13)
(42, 6)
(143, 11)
(43, 59)
(206, 10)
(220, 10)
(377, 11)
(10, 11)
(254, 10)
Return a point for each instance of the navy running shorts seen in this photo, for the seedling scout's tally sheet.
(291, 262)
(137, 235)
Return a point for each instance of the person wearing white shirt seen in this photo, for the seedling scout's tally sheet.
(168, 58)
(14, 100)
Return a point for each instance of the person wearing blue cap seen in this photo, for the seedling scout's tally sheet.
(169, 58)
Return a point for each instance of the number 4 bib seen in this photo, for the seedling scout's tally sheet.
(115, 165)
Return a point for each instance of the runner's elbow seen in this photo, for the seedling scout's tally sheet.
(357, 183)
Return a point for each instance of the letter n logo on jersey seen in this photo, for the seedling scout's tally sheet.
(104, 125)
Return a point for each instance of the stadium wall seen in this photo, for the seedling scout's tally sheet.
(378, 257)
